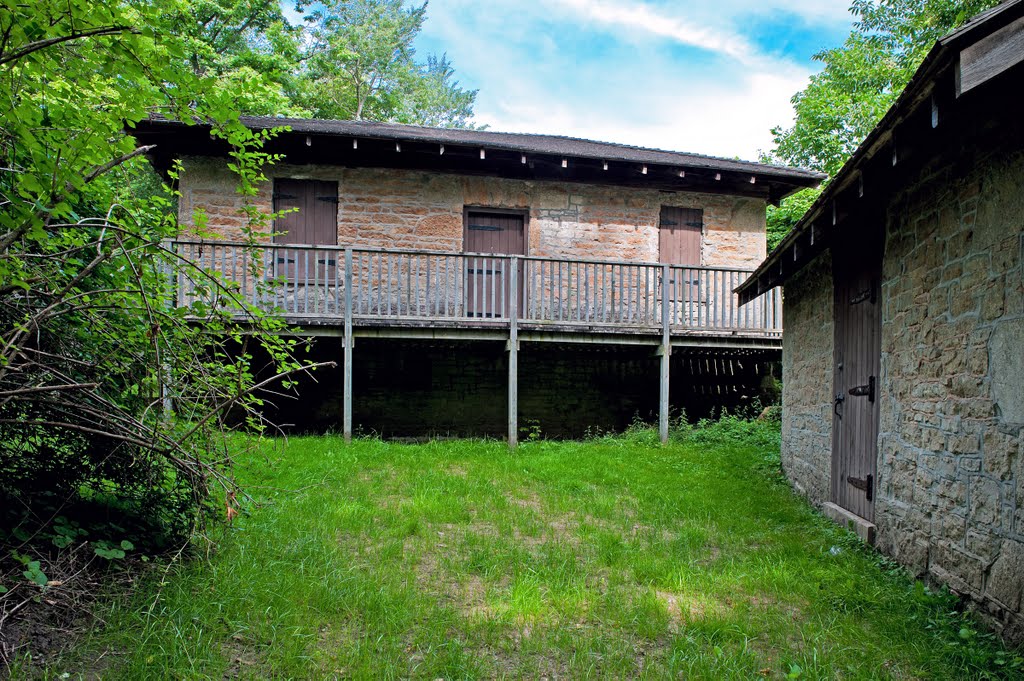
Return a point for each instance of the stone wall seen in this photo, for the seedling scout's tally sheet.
(807, 380)
(951, 471)
(950, 495)
(414, 209)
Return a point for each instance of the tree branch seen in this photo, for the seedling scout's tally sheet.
(49, 42)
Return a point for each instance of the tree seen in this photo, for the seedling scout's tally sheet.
(436, 98)
(858, 83)
(361, 65)
(248, 45)
(90, 344)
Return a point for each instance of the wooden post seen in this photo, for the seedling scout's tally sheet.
(666, 353)
(347, 342)
(170, 302)
(513, 354)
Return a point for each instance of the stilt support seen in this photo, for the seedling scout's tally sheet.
(347, 341)
(666, 355)
(665, 352)
(513, 355)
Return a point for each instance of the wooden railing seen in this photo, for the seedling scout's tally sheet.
(463, 289)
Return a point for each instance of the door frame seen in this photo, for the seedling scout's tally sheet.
(870, 250)
(295, 273)
(521, 212)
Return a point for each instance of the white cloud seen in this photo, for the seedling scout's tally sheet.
(687, 76)
(638, 16)
(722, 121)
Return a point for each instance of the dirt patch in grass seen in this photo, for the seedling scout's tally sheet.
(467, 593)
(457, 470)
(243, 659)
(683, 608)
(527, 499)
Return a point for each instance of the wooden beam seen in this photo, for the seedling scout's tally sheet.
(666, 356)
(347, 350)
(990, 56)
(513, 354)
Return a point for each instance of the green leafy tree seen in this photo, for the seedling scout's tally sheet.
(858, 83)
(91, 343)
(436, 98)
(248, 45)
(361, 65)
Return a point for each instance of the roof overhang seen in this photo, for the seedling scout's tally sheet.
(528, 157)
(960, 72)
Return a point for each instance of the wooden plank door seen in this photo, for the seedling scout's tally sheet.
(857, 269)
(314, 223)
(679, 240)
(487, 279)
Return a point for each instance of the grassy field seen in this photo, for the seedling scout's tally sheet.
(610, 558)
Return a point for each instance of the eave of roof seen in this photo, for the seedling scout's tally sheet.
(940, 59)
(783, 180)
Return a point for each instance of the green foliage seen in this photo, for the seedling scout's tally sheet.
(90, 344)
(361, 65)
(858, 83)
(33, 572)
(248, 46)
(783, 218)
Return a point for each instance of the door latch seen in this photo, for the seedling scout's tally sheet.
(862, 390)
(866, 484)
(840, 398)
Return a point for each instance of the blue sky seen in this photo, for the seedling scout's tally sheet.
(706, 76)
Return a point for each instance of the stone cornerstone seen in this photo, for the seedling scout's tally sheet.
(415, 209)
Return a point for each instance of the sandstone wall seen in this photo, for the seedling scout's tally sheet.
(951, 471)
(950, 494)
(413, 209)
(807, 380)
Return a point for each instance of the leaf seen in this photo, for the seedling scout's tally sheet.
(36, 576)
(109, 554)
(127, 545)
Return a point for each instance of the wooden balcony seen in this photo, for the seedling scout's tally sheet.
(360, 292)
(322, 290)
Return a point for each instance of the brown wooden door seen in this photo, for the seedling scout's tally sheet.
(487, 279)
(857, 269)
(314, 223)
(679, 241)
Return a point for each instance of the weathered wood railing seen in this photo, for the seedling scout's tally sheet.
(316, 283)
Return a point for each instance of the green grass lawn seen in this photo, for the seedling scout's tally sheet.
(609, 558)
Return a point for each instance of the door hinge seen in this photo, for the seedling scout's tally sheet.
(862, 390)
(866, 484)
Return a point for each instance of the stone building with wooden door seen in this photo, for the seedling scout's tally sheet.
(494, 278)
(903, 359)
